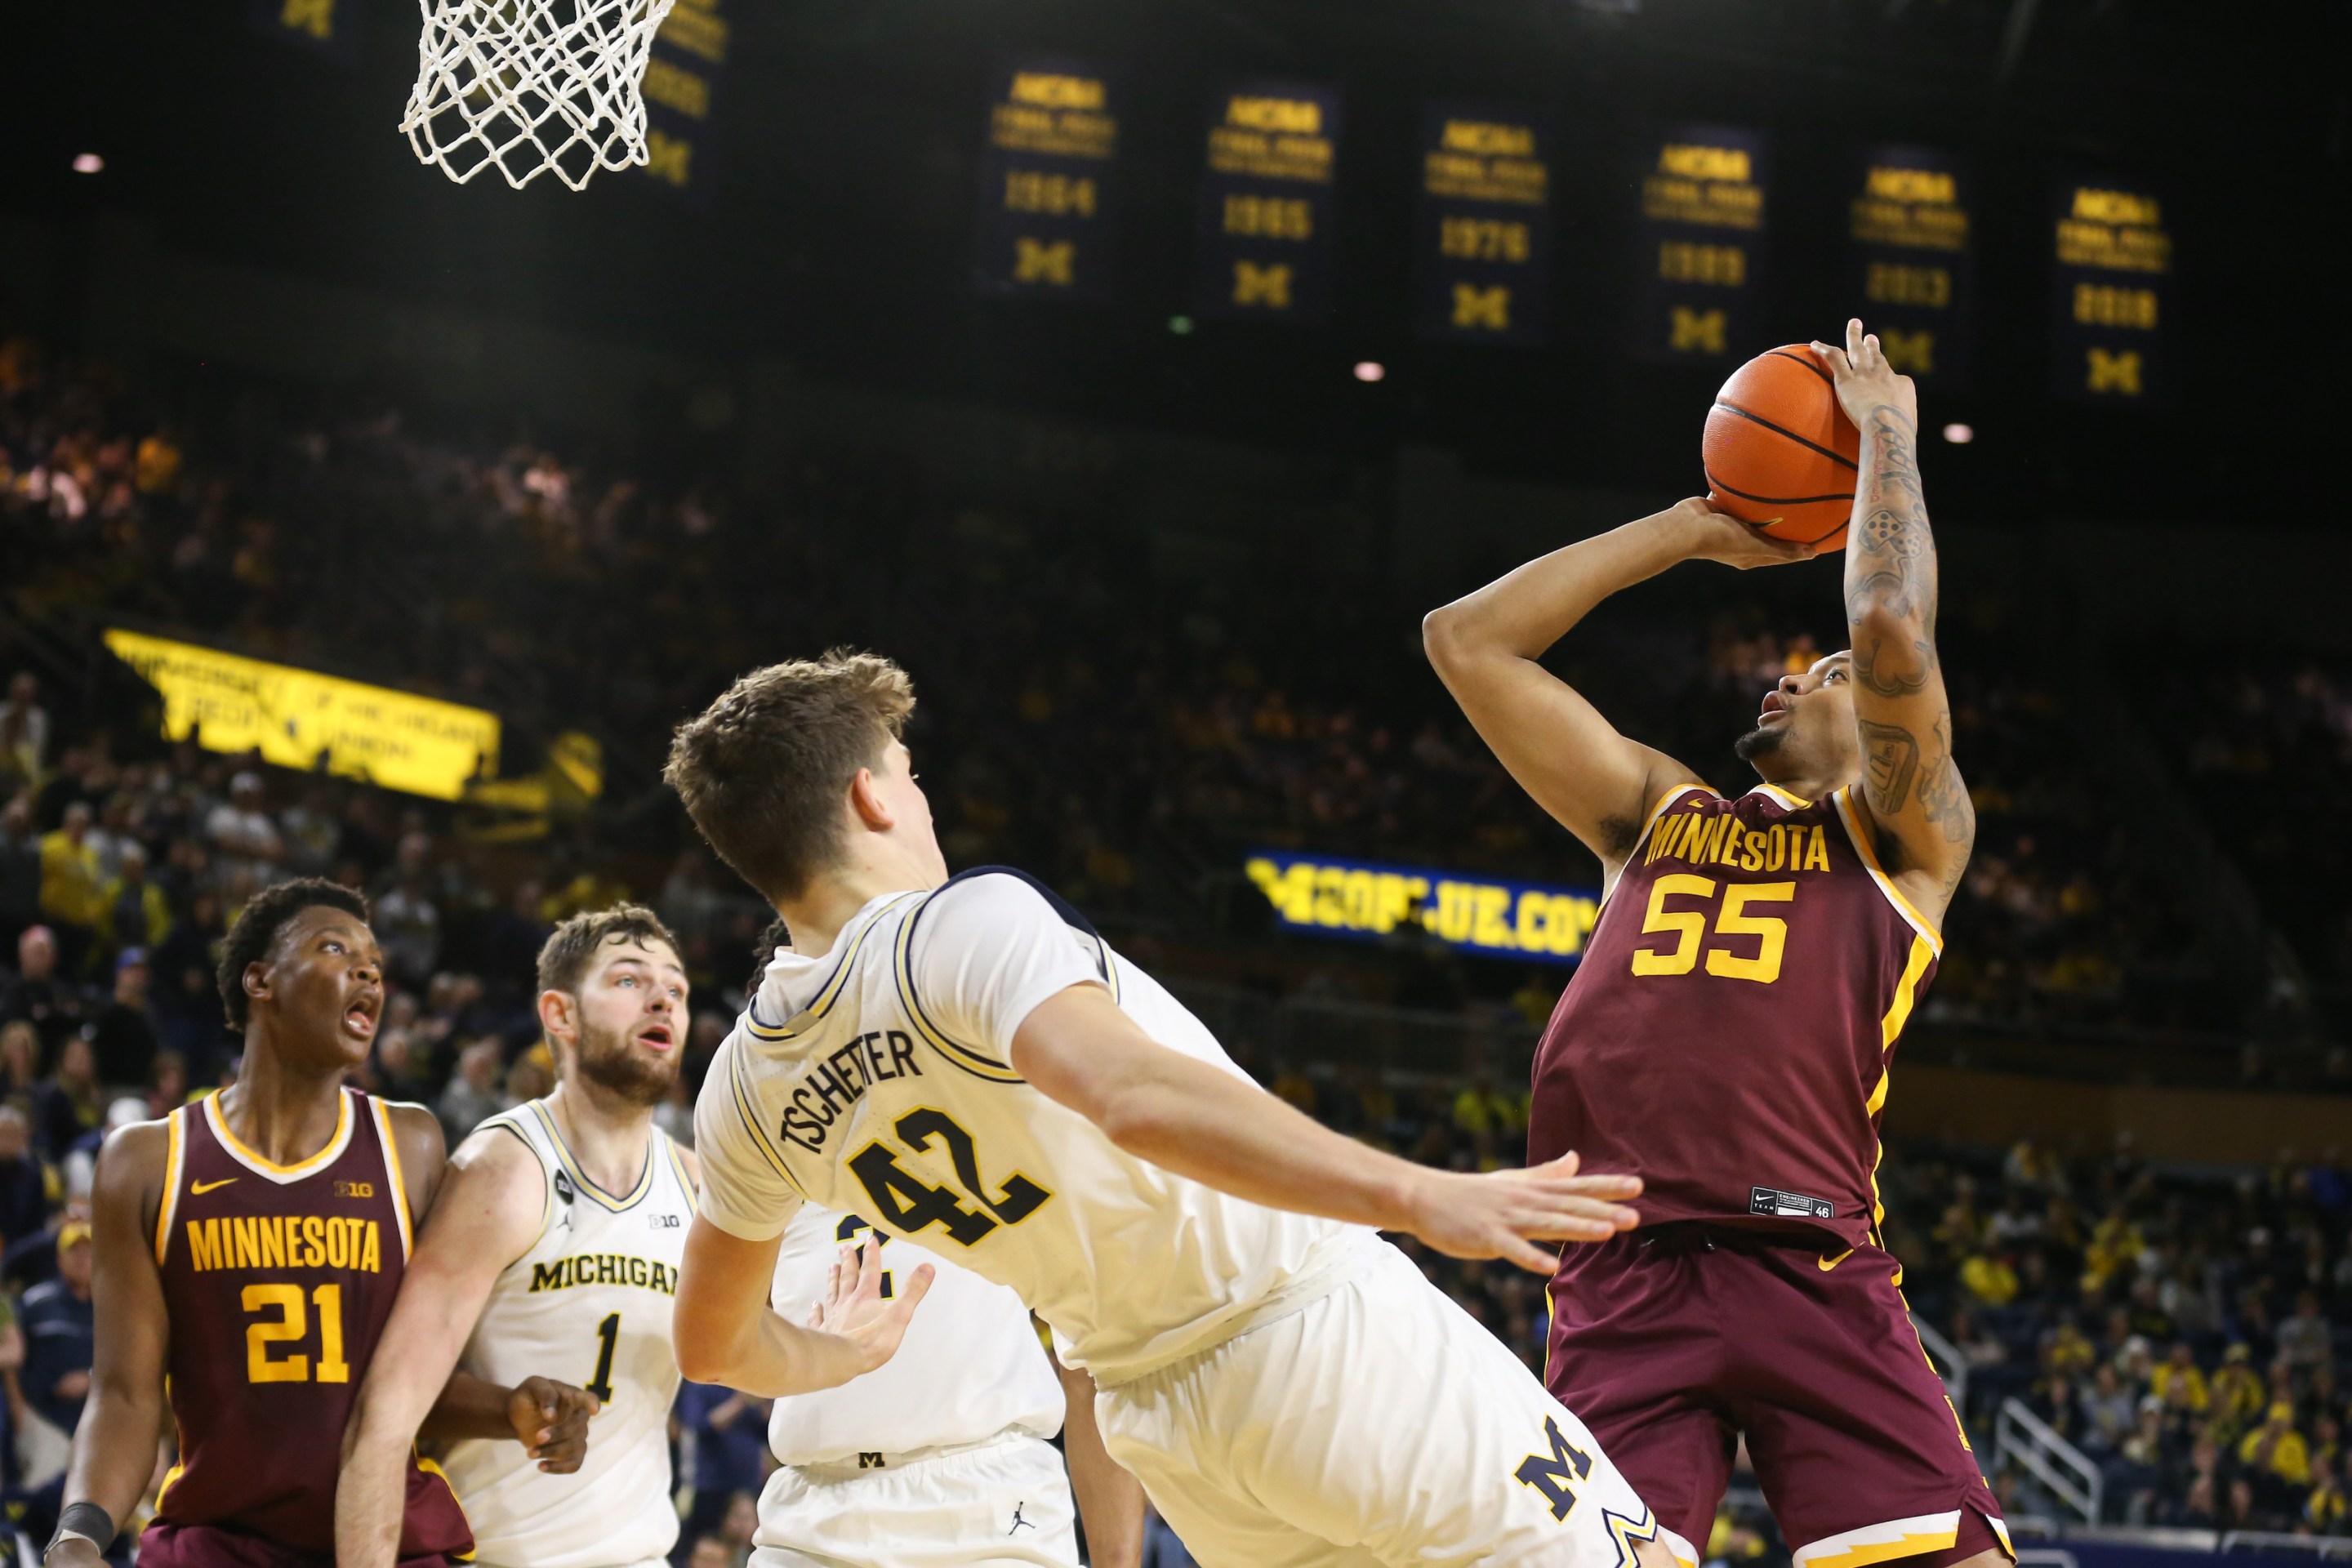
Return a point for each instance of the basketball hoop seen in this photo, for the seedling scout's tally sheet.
(531, 87)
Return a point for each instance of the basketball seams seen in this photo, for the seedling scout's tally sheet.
(1838, 457)
(1809, 365)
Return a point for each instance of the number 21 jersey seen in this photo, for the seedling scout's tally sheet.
(1727, 1034)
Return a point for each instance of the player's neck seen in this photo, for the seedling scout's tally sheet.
(282, 1110)
(1810, 786)
(610, 1137)
(832, 899)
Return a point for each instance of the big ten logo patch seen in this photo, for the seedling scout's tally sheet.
(356, 1189)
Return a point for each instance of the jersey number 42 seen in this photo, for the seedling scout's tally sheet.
(907, 1203)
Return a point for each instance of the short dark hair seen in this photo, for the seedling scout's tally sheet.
(762, 768)
(263, 921)
(564, 957)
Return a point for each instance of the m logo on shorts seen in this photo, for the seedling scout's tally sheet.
(1555, 1475)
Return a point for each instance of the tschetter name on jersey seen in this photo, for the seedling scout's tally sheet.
(840, 1081)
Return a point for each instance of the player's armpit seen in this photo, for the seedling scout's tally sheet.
(115, 1445)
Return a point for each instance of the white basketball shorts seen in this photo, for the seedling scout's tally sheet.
(1002, 1503)
(1377, 1425)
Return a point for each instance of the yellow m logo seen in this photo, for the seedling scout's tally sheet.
(1266, 286)
(1038, 261)
(1488, 308)
(2115, 371)
(316, 18)
(1911, 351)
(669, 158)
(1697, 332)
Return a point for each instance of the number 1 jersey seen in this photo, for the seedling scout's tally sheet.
(1727, 1034)
(878, 1081)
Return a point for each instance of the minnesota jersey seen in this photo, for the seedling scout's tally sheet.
(1728, 1035)
(589, 1303)
(277, 1281)
(877, 1080)
(970, 1369)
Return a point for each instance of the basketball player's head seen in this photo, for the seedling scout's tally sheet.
(301, 971)
(1806, 728)
(612, 1002)
(798, 773)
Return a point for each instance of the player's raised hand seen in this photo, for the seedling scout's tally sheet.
(551, 1421)
(1712, 535)
(856, 1308)
(1864, 379)
(1504, 1214)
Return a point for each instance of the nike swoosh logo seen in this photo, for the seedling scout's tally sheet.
(1826, 1264)
(201, 1188)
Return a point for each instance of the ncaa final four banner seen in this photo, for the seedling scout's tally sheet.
(1484, 247)
(681, 90)
(2110, 295)
(1046, 209)
(1699, 246)
(1266, 202)
(1908, 270)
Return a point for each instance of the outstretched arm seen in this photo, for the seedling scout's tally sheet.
(123, 1423)
(1486, 647)
(1183, 1115)
(726, 1333)
(1910, 783)
(486, 1213)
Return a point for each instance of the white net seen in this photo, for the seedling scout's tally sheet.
(531, 87)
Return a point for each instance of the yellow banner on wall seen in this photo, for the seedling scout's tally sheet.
(295, 718)
(1363, 901)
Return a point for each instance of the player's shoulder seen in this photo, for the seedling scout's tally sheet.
(414, 1126)
(978, 897)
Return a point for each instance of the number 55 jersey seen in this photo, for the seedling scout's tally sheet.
(589, 1304)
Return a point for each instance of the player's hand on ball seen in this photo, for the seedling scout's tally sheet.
(550, 1420)
(1865, 380)
(856, 1308)
(1712, 535)
(1504, 1214)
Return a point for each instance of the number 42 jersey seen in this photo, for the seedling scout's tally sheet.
(878, 1081)
(589, 1304)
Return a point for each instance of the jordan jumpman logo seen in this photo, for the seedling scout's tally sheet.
(1018, 1522)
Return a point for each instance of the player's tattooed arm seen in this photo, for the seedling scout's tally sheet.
(1911, 785)
(115, 1445)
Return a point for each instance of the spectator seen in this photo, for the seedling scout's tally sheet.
(167, 1085)
(408, 923)
(2277, 1448)
(133, 911)
(72, 896)
(709, 1552)
(2178, 1383)
(123, 1035)
(2236, 1392)
(24, 732)
(241, 832)
(473, 1092)
(69, 1102)
(2109, 1412)
(20, 869)
(53, 1007)
(2324, 1511)
(60, 1333)
(729, 1432)
(20, 1065)
(24, 1185)
(2305, 1342)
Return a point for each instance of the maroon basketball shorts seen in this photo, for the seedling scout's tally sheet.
(166, 1545)
(1672, 1342)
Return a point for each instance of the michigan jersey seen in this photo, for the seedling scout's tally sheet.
(970, 1369)
(589, 1303)
(876, 1079)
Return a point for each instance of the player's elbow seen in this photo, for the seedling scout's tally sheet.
(1879, 614)
(704, 1355)
(1443, 634)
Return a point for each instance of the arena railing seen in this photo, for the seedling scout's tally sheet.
(1950, 1364)
(2023, 1438)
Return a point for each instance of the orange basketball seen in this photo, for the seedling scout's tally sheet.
(1780, 452)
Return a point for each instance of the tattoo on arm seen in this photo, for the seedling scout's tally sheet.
(1891, 563)
(1892, 756)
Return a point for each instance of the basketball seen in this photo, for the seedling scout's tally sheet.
(1779, 453)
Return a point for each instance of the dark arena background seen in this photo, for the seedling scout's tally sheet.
(359, 524)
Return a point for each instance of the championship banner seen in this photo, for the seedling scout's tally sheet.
(1046, 211)
(2111, 297)
(1700, 246)
(1266, 203)
(329, 27)
(681, 92)
(1908, 273)
(301, 719)
(1484, 244)
(1364, 900)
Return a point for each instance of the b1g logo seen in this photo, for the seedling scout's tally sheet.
(356, 1189)
(662, 1222)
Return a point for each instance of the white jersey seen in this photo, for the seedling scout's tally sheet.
(877, 1080)
(589, 1304)
(970, 1369)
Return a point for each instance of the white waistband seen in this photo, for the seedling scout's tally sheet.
(872, 1462)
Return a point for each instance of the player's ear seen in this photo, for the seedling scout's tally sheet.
(865, 803)
(256, 980)
(558, 1016)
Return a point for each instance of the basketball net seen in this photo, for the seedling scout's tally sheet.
(531, 87)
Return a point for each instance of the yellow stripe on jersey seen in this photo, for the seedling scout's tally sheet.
(1906, 992)
(748, 1109)
(537, 1108)
(271, 1168)
(175, 1158)
(392, 1169)
(1858, 833)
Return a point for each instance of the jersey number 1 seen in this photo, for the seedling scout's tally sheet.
(608, 1337)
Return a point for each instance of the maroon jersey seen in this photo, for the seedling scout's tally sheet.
(278, 1280)
(1727, 1034)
